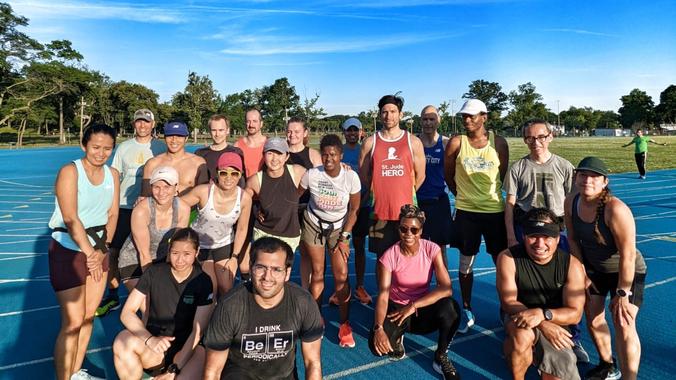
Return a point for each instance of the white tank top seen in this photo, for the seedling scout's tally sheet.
(216, 230)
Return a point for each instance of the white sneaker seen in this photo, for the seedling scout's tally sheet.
(466, 321)
(82, 374)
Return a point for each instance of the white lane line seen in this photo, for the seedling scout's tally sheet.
(27, 211)
(18, 258)
(26, 229)
(20, 235)
(382, 362)
(24, 202)
(25, 241)
(43, 360)
(15, 280)
(666, 281)
(22, 253)
(659, 258)
(22, 184)
(24, 221)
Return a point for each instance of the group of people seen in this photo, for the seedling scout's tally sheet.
(178, 228)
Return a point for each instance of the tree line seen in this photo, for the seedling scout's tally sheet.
(47, 89)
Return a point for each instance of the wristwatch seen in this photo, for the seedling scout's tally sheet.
(346, 235)
(377, 327)
(548, 314)
(173, 368)
(623, 293)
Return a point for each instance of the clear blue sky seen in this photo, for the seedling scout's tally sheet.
(580, 53)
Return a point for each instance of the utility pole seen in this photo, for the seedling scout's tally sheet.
(453, 115)
(558, 114)
(82, 105)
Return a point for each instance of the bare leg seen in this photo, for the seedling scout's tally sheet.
(598, 327)
(194, 368)
(72, 302)
(131, 355)
(224, 276)
(305, 266)
(628, 346)
(317, 260)
(359, 259)
(339, 267)
(93, 295)
(518, 349)
(209, 268)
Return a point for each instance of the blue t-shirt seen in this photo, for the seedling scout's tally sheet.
(434, 185)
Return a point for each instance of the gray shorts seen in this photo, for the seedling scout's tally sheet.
(560, 363)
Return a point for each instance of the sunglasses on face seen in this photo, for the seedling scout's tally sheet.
(231, 173)
(404, 230)
(541, 138)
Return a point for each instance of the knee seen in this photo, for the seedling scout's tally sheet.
(521, 340)
(340, 275)
(122, 344)
(72, 325)
(597, 322)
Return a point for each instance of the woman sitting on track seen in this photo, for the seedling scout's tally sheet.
(180, 299)
(327, 223)
(83, 223)
(406, 303)
(602, 232)
(222, 205)
(153, 220)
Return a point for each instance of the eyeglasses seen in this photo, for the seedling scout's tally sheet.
(232, 173)
(259, 271)
(541, 138)
(404, 230)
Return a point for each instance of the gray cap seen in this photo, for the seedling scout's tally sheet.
(351, 122)
(144, 114)
(277, 144)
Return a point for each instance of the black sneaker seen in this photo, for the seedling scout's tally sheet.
(107, 305)
(604, 371)
(444, 367)
(398, 351)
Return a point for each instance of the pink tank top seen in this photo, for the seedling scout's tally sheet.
(253, 157)
(393, 179)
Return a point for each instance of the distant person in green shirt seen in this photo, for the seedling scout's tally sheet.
(641, 150)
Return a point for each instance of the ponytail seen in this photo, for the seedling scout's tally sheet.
(600, 209)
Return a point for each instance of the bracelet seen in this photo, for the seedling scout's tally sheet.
(147, 339)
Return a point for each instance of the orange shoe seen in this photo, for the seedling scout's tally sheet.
(361, 294)
(345, 337)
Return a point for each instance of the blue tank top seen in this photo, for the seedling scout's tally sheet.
(351, 156)
(93, 203)
(434, 185)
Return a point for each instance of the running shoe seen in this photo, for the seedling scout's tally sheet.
(362, 295)
(580, 353)
(345, 337)
(443, 366)
(604, 371)
(398, 351)
(82, 374)
(466, 321)
(107, 305)
(641, 177)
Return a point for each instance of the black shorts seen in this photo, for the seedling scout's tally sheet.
(123, 228)
(604, 283)
(134, 271)
(472, 225)
(437, 219)
(361, 226)
(382, 235)
(216, 254)
(68, 268)
(168, 359)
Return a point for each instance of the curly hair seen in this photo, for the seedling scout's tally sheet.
(411, 211)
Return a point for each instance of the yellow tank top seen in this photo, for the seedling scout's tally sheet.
(477, 177)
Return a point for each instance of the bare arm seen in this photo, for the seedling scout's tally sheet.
(503, 154)
(183, 214)
(214, 363)
(202, 175)
(315, 157)
(242, 223)
(198, 195)
(418, 161)
(201, 320)
(140, 222)
(114, 210)
(365, 164)
(573, 296)
(353, 208)
(312, 359)
(147, 172)
(252, 186)
(510, 201)
(380, 339)
(620, 221)
(574, 246)
(450, 154)
(506, 284)
(130, 318)
(66, 196)
(298, 172)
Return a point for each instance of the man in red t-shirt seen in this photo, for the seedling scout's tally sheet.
(392, 166)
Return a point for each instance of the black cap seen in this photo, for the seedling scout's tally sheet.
(593, 164)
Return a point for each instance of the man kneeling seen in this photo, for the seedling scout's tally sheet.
(541, 291)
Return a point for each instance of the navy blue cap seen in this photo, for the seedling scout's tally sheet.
(176, 128)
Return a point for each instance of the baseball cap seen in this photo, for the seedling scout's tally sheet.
(532, 227)
(473, 107)
(164, 173)
(144, 114)
(230, 160)
(593, 164)
(176, 128)
(277, 144)
(351, 122)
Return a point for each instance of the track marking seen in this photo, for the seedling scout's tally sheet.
(22, 184)
(17, 258)
(666, 281)
(11, 281)
(43, 360)
(26, 241)
(27, 229)
(27, 211)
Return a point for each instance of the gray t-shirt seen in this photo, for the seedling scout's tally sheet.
(129, 159)
(540, 185)
(261, 342)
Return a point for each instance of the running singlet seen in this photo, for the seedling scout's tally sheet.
(477, 177)
(216, 230)
(301, 158)
(93, 203)
(253, 157)
(393, 183)
(351, 156)
(279, 204)
(434, 185)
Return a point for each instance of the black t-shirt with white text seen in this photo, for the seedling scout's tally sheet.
(261, 342)
(173, 304)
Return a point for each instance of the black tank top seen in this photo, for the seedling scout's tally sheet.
(540, 285)
(302, 158)
(279, 204)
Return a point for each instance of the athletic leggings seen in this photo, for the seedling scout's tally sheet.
(442, 316)
(640, 162)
